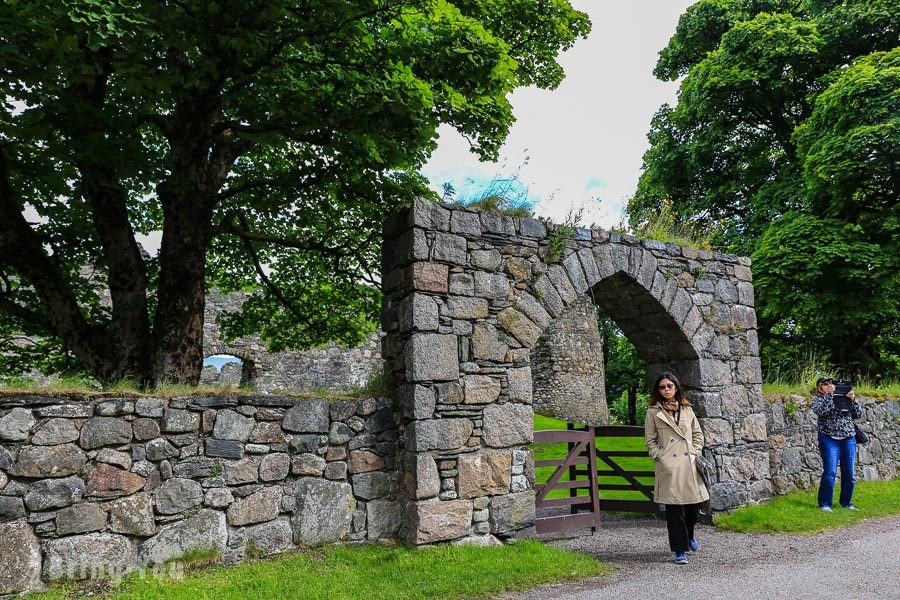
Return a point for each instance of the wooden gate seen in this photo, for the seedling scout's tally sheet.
(581, 465)
(580, 443)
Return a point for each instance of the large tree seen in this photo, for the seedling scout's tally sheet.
(785, 139)
(265, 139)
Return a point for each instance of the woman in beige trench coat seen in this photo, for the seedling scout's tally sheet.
(674, 440)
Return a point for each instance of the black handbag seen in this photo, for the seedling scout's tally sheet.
(705, 468)
(861, 437)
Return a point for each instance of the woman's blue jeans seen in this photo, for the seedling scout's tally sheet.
(832, 451)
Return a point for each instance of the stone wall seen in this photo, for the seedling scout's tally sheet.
(330, 367)
(567, 367)
(105, 486)
(793, 447)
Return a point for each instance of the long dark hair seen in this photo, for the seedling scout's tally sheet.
(656, 399)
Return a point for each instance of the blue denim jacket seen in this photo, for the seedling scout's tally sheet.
(831, 421)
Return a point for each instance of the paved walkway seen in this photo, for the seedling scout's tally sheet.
(856, 563)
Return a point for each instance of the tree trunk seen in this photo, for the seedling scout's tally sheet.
(23, 249)
(129, 327)
(632, 405)
(178, 327)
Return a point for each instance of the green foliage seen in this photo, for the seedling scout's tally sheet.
(665, 226)
(618, 408)
(376, 572)
(834, 281)
(560, 238)
(267, 141)
(851, 145)
(790, 408)
(625, 372)
(784, 140)
(798, 512)
(561, 235)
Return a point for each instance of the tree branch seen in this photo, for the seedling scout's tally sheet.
(243, 231)
(24, 251)
(244, 77)
(27, 315)
(127, 280)
(277, 126)
(270, 285)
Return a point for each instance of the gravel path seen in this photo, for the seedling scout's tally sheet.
(861, 562)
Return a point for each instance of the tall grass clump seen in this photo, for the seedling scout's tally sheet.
(666, 226)
(503, 194)
(498, 204)
(379, 384)
(798, 373)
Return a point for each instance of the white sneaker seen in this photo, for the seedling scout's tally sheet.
(825, 508)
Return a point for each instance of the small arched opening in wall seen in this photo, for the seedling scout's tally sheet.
(223, 369)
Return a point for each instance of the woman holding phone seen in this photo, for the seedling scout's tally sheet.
(674, 440)
(837, 442)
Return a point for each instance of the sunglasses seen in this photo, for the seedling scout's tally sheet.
(667, 386)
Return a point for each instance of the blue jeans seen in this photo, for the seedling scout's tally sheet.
(832, 451)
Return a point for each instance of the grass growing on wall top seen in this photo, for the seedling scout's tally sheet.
(666, 226)
(80, 387)
(798, 512)
(799, 376)
(372, 572)
(888, 390)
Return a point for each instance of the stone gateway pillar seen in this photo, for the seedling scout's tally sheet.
(468, 294)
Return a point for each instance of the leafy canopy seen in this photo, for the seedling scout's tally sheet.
(785, 140)
(265, 139)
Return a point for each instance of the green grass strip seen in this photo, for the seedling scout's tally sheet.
(374, 572)
(798, 512)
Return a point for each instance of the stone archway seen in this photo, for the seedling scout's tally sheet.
(467, 296)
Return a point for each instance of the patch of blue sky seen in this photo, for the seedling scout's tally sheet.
(595, 182)
(218, 360)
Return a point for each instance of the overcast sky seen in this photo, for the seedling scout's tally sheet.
(582, 143)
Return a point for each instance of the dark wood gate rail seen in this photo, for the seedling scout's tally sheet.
(581, 464)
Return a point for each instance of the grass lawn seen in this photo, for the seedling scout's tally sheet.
(798, 512)
(373, 572)
(559, 451)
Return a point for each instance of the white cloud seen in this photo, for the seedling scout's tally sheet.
(583, 141)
